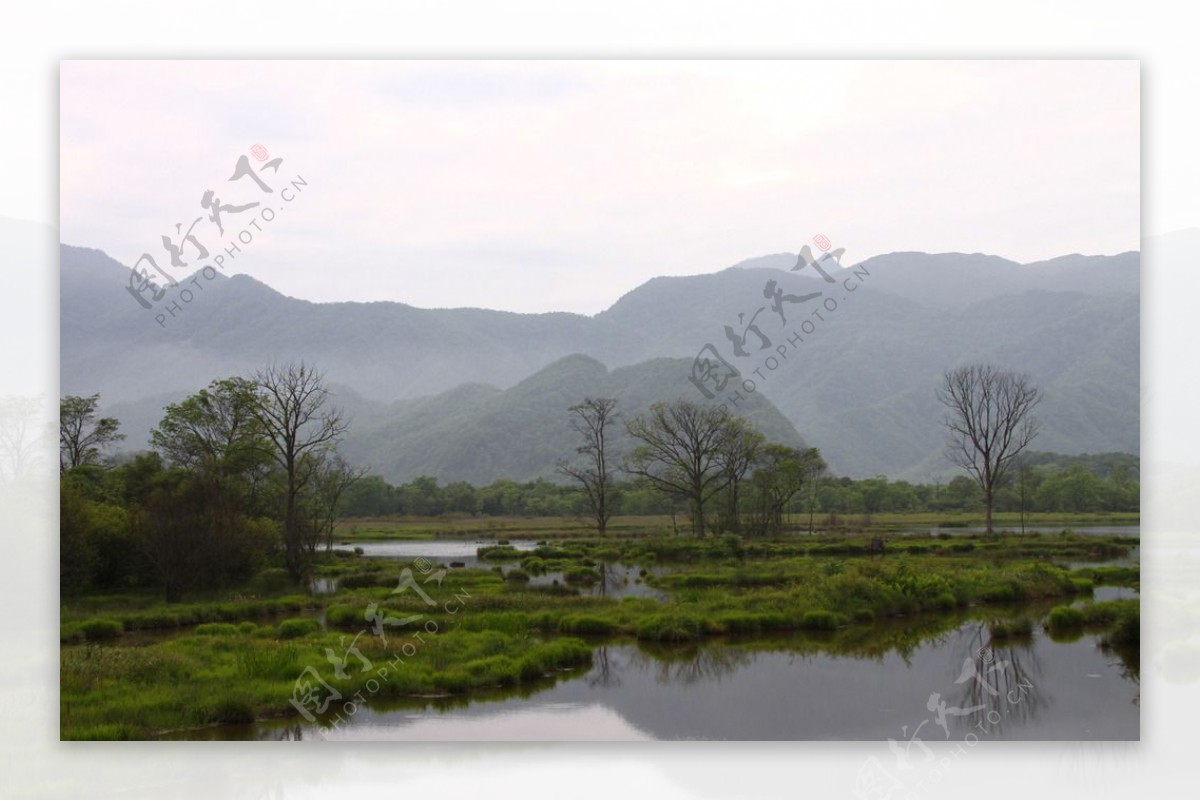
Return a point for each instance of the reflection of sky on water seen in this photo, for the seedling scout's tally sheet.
(1035, 690)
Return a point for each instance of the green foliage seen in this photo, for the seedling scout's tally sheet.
(581, 575)
(1011, 628)
(101, 629)
(821, 619)
(81, 434)
(1084, 586)
(1127, 631)
(586, 624)
(1064, 618)
(295, 627)
(670, 627)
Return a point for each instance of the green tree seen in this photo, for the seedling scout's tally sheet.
(81, 435)
(199, 523)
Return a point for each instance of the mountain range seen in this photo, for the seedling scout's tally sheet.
(475, 394)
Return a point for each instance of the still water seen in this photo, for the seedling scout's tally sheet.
(788, 688)
(873, 683)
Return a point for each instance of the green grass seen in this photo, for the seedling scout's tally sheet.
(122, 692)
(233, 656)
(1064, 618)
(1011, 628)
(295, 627)
(101, 629)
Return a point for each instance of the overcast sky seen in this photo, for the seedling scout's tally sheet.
(539, 186)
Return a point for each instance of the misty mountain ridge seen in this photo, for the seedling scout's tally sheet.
(861, 387)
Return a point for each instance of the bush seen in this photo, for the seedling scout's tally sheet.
(295, 627)
(1083, 585)
(101, 629)
(217, 629)
(1062, 618)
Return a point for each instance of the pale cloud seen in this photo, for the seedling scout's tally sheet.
(537, 186)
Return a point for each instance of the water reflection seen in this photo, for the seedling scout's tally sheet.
(999, 683)
(842, 686)
(690, 663)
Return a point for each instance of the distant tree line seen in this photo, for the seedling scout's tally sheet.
(1054, 483)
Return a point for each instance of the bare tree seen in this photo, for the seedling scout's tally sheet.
(591, 420)
(80, 434)
(292, 410)
(680, 454)
(990, 421)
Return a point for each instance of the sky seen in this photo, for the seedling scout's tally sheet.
(561, 185)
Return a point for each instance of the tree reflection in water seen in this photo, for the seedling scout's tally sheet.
(999, 682)
(691, 662)
(605, 669)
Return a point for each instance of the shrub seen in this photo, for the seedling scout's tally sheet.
(101, 629)
(1063, 618)
(295, 627)
(217, 629)
(247, 627)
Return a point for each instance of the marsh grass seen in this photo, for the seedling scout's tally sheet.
(224, 660)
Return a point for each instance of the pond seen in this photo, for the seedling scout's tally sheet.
(888, 683)
(442, 550)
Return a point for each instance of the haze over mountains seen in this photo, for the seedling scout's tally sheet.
(476, 394)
